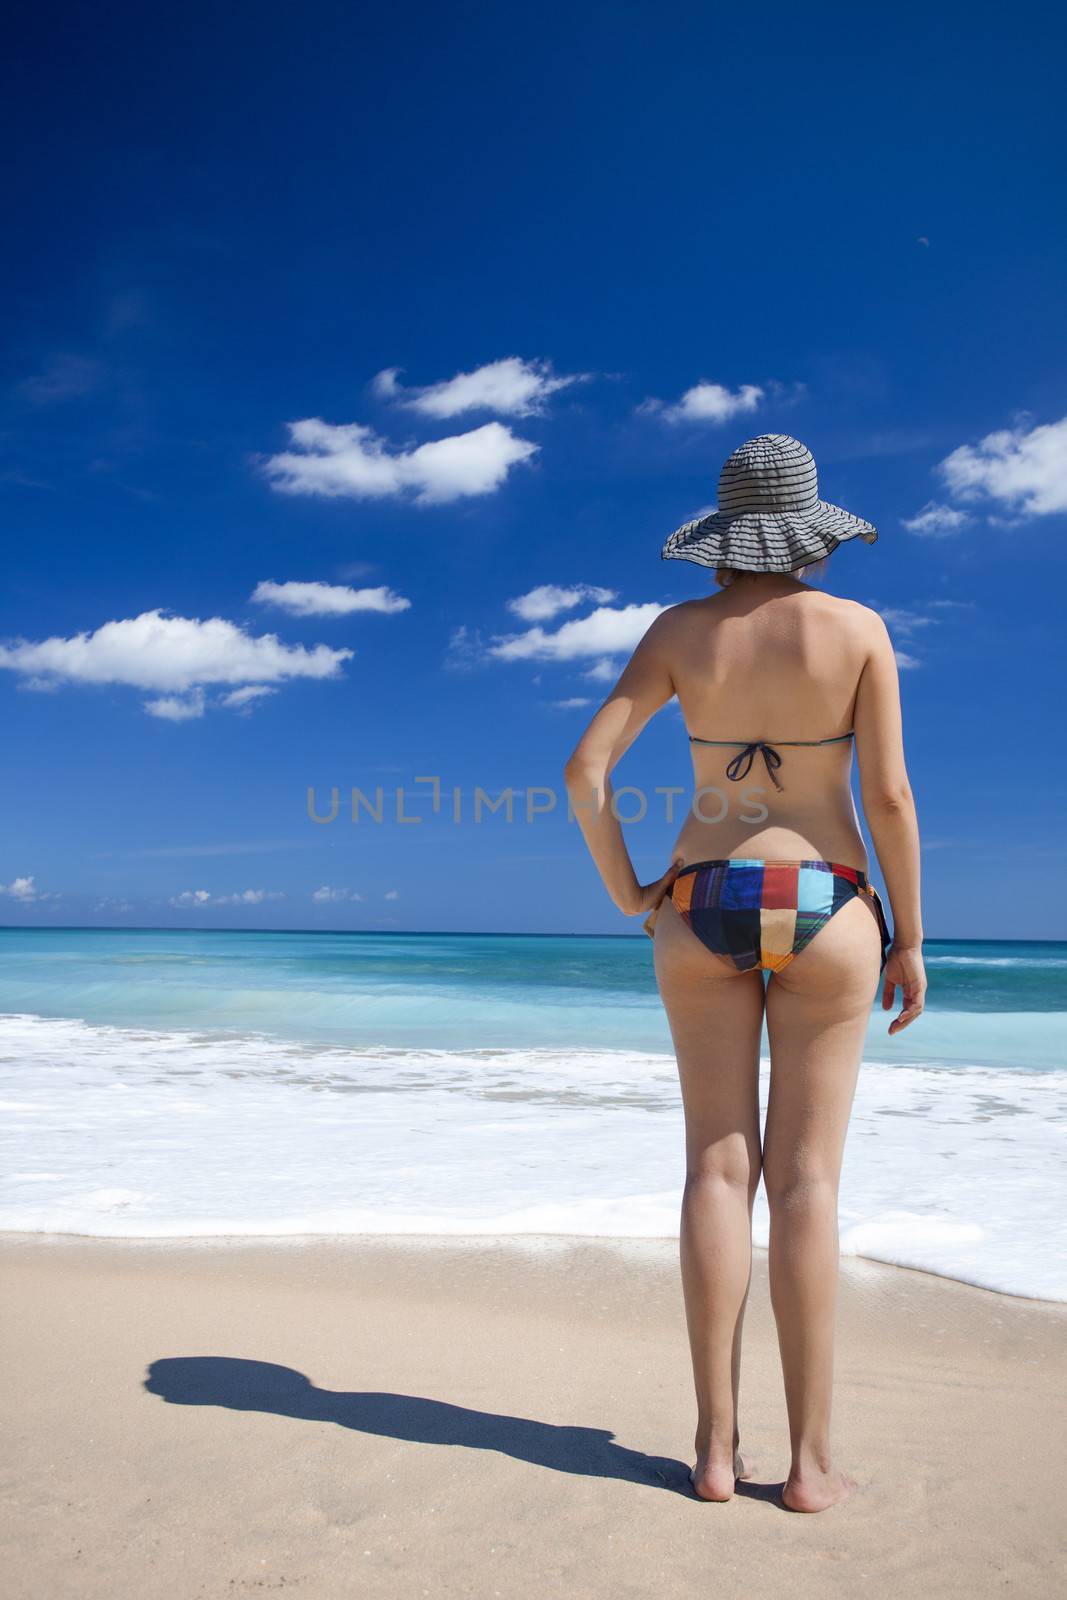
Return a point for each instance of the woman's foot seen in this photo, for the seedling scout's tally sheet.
(716, 1481)
(814, 1490)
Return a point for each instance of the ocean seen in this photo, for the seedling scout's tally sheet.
(175, 1084)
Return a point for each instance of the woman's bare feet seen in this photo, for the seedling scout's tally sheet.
(814, 1490)
(716, 1481)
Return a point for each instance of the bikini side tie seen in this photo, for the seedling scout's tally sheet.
(741, 765)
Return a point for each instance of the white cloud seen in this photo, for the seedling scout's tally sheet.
(173, 655)
(356, 569)
(708, 402)
(907, 624)
(352, 460)
(244, 897)
(936, 521)
(549, 598)
(905, 621)
(605, 671)
(244, 699)
(573, 704)
(326, 599)
(465, 649)
(605, 630)
(176, 708)
(1024, 469)
(326, 894)
(511, 387)
(23, 889)
(391, 894)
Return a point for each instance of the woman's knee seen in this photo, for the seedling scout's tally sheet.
(794, 1190)
(703, 1189)
(733, 1163)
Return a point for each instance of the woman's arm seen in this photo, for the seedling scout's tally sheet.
(889, 808)
(645, 686)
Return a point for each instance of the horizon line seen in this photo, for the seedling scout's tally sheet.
(403, 933)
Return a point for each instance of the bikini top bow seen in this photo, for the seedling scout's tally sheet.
(741, 765)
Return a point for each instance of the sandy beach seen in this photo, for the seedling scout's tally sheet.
(487, 1417)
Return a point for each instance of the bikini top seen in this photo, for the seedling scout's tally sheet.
(741, 764)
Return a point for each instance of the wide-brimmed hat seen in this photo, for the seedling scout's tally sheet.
(769, 517)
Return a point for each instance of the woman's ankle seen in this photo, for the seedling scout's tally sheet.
(811, 1461)
(716, 1443)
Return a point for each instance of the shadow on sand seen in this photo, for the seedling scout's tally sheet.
(237, 1385)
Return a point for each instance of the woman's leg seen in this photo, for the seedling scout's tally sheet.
(715, 1015)
(817, 1013)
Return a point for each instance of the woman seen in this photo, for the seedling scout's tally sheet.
(775, 680)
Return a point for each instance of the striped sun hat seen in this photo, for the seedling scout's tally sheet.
(769, 517)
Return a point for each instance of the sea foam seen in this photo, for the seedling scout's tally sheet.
(149, 1133)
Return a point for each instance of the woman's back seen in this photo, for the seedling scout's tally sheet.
(776, 682)
(769, 661)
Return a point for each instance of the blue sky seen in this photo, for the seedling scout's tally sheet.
(433, 308)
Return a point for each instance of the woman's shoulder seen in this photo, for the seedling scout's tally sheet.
(677, 627)
(859, 619)
(852, 614)
(676, 618)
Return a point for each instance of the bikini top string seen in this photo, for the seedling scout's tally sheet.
(741, 764)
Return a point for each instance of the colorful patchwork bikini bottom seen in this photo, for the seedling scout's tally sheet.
(763, 913)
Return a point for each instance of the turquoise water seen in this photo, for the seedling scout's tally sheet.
(1000, 1004)
(174, 1084)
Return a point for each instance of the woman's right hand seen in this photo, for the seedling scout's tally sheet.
(651, 895)
(904, 969)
